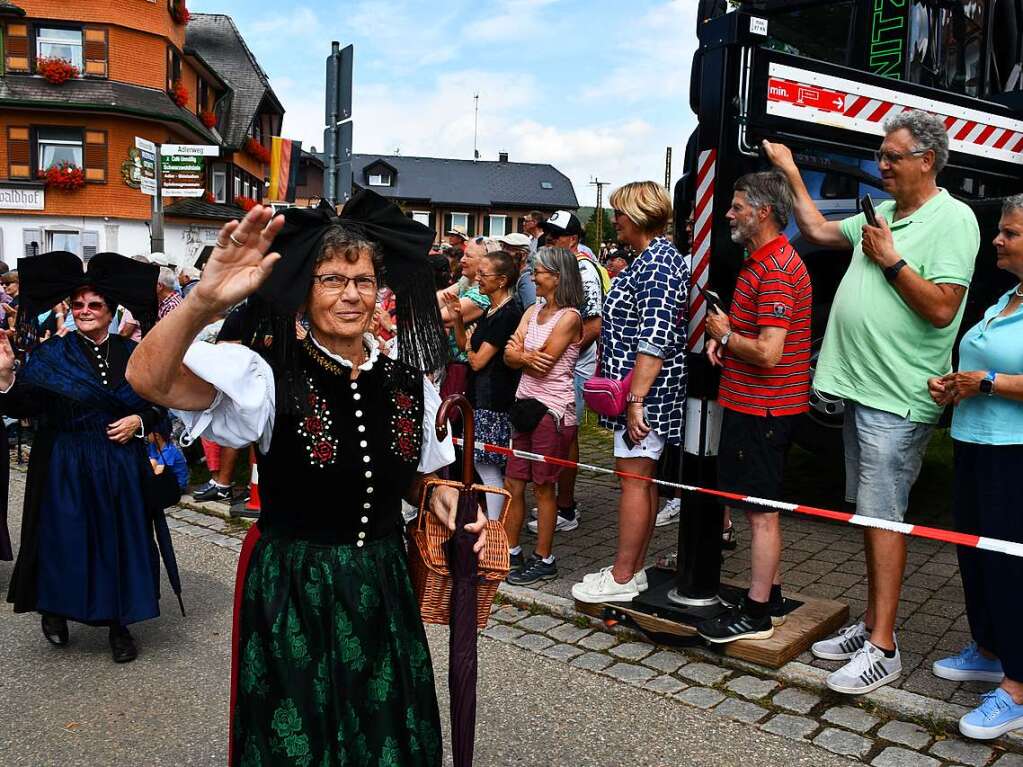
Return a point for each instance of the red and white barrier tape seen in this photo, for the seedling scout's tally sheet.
(919, 531)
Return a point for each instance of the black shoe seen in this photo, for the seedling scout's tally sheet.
(516, 561)
(735, 624)
(55, 629)
(122, 645)
(775, 608)
(213, 493)
(532, 571)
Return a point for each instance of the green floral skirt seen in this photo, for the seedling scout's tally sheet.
(333, 667)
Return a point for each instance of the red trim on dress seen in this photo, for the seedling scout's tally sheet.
(251, 539)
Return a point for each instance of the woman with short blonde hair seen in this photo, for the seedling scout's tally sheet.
(642, 332)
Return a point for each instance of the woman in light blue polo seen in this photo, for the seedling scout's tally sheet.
(987, 431)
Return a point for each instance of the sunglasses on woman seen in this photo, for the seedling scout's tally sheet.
(92, 306)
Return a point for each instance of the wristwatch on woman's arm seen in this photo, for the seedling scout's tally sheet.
(634, 399)
(987, 384)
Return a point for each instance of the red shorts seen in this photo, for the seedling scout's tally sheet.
(545, 439)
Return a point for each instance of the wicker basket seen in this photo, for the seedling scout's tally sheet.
(429, 566)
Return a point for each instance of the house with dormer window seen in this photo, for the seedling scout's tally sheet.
(475, 197)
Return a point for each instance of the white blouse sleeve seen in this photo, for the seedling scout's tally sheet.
(436, 453)
(243, 410)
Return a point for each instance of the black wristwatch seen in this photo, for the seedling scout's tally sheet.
(987, 384)
(891, 272)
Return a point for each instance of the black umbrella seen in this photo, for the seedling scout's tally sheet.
(462, 562)
(170, 562)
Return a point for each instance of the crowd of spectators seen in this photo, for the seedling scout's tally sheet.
(533, 316)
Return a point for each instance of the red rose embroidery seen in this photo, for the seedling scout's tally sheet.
(403, 401)
(313, 425)
(312, 400)
(323, 452)
(405, 445)
(405, 425)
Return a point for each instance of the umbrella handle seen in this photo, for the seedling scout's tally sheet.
(461, 404)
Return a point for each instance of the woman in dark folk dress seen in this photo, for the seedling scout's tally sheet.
(87, 552)
(331, 665)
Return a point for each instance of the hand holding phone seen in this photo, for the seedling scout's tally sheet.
(868, 210)
(713, 300)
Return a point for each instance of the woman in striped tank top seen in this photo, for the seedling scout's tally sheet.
(545, 347)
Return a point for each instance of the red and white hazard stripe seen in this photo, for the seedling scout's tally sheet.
(827, 100)
(918, 531)
(706, 167)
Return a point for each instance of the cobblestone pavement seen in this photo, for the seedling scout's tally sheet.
(862, 729)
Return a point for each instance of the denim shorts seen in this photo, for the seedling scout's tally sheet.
(883, 456)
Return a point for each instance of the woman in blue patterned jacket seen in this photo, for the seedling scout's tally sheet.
(643, 331)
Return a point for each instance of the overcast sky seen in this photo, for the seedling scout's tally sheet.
(596, 88)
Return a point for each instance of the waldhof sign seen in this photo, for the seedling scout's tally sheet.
(12, 198)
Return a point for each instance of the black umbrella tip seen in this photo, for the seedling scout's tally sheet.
(181, 604)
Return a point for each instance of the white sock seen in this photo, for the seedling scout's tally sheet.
(493, 476)
(548, 560)
(516, 550)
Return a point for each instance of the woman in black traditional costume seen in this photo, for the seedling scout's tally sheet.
(331, 665)
(87, 552)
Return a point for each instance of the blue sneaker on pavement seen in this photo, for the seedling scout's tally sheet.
(996, 715)
(969, 666)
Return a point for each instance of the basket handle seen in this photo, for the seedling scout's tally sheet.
(459, 402)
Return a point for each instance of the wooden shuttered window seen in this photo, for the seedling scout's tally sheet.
(95, 151)
(90, 244)
(95, 47)
(19, 152)
(17, 48)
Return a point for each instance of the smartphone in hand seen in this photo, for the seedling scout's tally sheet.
(713, 300)
(868, 209)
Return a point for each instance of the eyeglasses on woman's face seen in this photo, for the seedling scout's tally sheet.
(540, 270)
(92, 306)
(488, 275)
(335, 284)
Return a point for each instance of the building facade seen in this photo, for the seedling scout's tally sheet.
(475, 197)
(69, 167)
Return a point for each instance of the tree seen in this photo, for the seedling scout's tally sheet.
(591, 229)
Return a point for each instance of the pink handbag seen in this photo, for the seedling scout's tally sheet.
(606, 396)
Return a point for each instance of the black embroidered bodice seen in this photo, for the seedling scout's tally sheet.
(343, 456)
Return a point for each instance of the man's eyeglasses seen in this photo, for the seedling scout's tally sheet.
(338, 283)
(884, 155)
(92, 306)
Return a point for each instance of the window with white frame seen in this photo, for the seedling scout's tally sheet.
(383, 178)
(57, 145)
(497, 225)
(55, 43)
(422, 216)
(460, 221)
(237, 185)
(220, 184)
(64, 239)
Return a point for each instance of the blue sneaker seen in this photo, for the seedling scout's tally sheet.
(996, 715)
(969, 666)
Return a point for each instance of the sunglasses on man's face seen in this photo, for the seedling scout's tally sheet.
(92, 306)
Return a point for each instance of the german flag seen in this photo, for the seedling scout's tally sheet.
(284, 157)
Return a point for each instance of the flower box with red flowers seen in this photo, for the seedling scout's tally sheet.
(245, 203)
(179, 94)
(65, 176)
(210, 198)
(56, 71)
(179, 12)
(209, 119)
(254, 149)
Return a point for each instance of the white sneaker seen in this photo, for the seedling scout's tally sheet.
(868, 670)
(562, 526)
(844, 645)
(641, 580)
(605, 589)
(669, 513)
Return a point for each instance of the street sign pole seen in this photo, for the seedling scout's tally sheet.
(156, 225)
(337, 135)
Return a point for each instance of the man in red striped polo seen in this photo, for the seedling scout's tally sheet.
(763, 348)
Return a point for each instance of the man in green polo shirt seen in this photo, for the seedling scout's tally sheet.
(893, 322)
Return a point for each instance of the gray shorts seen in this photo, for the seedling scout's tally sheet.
(883, 456)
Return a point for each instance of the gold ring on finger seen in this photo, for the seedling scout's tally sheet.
(221, 245)
(236, 241)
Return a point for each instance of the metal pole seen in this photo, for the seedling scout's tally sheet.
(156, 225)
(330, 190)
